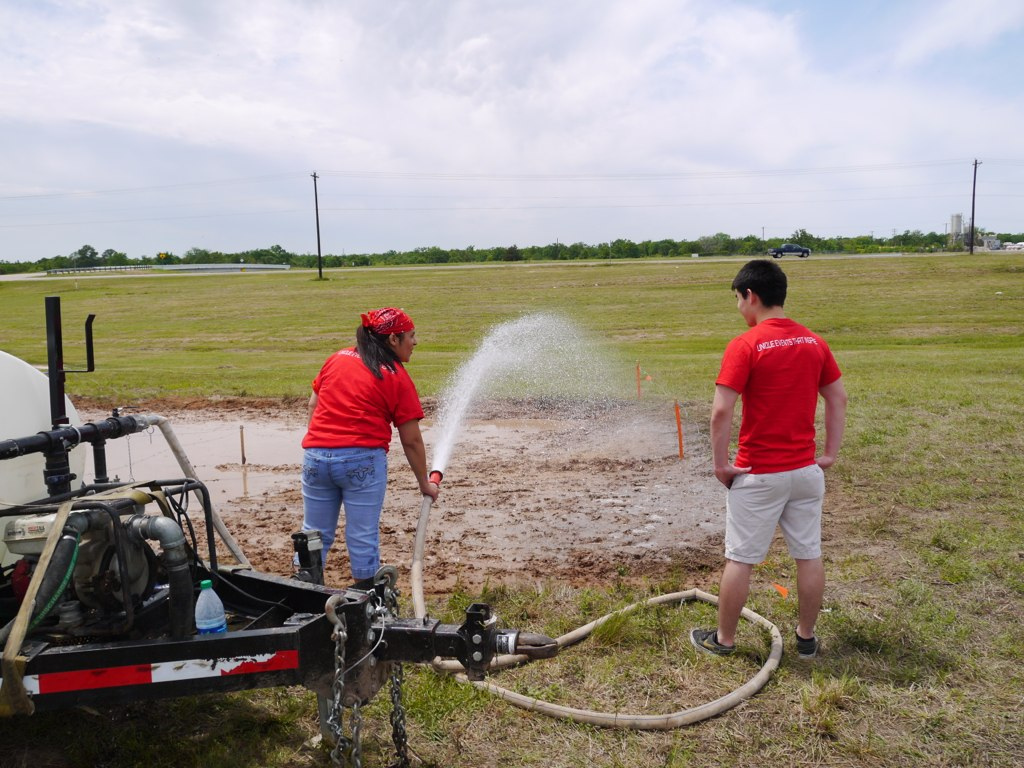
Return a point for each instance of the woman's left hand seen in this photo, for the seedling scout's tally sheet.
(430, 489)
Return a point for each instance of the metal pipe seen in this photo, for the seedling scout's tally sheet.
(65, 438)
(176, 561)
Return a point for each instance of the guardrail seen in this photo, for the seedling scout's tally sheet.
(105, 268)
(224, 267)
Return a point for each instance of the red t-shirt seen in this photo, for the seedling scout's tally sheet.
(777, 367)
(356, 409)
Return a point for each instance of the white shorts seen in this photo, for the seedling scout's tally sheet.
(757, 503)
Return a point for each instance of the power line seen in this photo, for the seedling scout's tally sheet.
(154, 188)
(587, 177)
(639, 176)
(555, 202)
(775, 199)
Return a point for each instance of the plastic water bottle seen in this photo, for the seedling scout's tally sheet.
(210, 615)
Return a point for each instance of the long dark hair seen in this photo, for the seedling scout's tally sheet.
(375, 351)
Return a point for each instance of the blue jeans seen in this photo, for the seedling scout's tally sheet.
(357, 479)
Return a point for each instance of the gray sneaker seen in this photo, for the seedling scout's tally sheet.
(706, 641)
(806, 649)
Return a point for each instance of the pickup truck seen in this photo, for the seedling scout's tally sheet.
(799, 250)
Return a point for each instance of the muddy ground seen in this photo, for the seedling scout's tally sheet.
(535, 491)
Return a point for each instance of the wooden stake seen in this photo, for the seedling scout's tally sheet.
(245, 469)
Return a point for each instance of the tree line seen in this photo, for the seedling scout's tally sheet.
(711, 245)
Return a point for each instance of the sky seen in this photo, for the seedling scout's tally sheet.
(164, 125)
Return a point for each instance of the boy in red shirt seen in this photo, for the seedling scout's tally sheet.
(779, 368)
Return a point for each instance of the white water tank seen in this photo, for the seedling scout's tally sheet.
(24, 411)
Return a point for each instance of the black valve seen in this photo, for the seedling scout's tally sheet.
(309, 556)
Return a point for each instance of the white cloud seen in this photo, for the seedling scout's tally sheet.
(102, 94)
(957, 24)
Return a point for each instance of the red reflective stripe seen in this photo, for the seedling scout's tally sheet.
(142, 674)
(280, 660)
(86, 679)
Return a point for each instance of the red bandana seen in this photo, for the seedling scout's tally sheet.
(387, 320)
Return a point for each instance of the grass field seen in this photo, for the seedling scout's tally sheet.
(923, 638)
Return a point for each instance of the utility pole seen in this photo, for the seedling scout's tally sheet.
(319, 257)
(974, 187)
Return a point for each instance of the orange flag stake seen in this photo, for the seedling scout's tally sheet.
(679, 428)
(781, 590)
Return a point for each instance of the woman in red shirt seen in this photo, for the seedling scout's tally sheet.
(358, 395)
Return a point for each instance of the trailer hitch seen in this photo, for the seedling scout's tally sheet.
(371, 643)
(377, 636)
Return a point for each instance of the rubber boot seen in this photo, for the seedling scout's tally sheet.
(364, 585)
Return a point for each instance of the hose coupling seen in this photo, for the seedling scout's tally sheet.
(535, 646)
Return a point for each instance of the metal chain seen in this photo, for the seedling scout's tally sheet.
(398, 734)
(349, 752)
(356, 752)
(346, 751)
(131, 470)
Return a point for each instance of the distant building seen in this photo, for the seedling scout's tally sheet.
(956, 228)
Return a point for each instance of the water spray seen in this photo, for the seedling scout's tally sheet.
(537, 355)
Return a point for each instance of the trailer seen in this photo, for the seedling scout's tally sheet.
(99, 581)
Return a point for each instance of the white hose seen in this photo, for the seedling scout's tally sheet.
(604, 719)
(418, 606)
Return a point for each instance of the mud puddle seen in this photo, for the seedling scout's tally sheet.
(528, 496)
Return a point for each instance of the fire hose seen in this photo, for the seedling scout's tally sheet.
(604, 719)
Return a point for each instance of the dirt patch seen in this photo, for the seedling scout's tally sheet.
(534, 491)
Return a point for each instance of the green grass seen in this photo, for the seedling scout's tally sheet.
(923, 638)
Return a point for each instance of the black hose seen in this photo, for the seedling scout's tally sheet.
(54, 583)
(55, 580)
